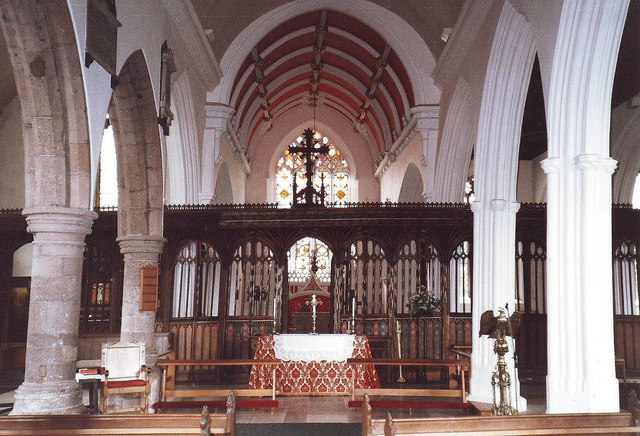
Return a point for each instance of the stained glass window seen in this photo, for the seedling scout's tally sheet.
(332, 167)
(300, 260)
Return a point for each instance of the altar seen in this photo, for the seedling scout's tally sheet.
(313, 364)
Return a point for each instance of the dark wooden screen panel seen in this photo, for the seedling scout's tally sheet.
(418, 266)
(196, 282)
(253, 281)
(625, 279)
(366, 278)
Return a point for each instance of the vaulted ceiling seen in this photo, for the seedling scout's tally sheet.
(330, 59)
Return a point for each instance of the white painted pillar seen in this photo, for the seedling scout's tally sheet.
(54, 311)
(427, 118)
(138, 326)
(217, 115)
(580, 343)
(494, 230)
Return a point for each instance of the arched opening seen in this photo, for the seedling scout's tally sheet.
(108, 170)
(309, 263)
(137, 141)
(411, 188)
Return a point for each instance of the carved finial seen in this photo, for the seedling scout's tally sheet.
(205, 422)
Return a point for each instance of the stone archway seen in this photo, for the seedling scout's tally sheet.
(42, 44)
(496, 157)
(133, 116)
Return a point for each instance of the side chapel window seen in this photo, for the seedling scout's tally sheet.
(333, 167)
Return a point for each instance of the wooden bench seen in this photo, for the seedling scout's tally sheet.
(169, 379)
(518, 425)
(455, 367)
(204, 424)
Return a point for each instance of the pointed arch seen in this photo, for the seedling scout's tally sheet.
(134, 119)
(189, 152)
(626, 150)
(456, 147)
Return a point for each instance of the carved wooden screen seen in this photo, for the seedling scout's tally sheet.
(366, 278)
(418, 265)
(252, 284)
(460, 273)
(530, 277)
(625, 279)
(101, 276)
(196, 281)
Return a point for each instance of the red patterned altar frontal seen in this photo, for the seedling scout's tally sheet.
(313, 377)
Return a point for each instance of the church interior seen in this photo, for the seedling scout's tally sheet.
(405, 217)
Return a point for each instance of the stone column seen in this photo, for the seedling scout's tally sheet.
(137, 326)
(494, 233)
(216, 124)
(580, 343)
(54, 311)
(427, 119)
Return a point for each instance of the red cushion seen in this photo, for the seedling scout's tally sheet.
(126, 383)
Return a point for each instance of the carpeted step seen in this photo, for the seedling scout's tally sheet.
(397, 404)
(219, 404)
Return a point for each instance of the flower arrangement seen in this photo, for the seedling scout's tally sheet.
(424, 302)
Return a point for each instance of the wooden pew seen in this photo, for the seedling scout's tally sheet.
(205, 424)
(518, 425)
(455, 367)
(169, 378)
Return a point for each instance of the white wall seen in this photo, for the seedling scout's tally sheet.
(391, 181)
(22, 260)
(12, 157)
(236, 174)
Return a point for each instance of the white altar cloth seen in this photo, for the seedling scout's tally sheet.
(310, 348)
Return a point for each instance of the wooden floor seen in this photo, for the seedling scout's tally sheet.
(335, 409)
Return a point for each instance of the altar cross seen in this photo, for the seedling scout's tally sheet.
(314, 302)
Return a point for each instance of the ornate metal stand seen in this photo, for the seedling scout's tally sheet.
(398, 333)
(501, 380)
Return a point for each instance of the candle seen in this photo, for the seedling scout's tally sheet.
(274, 308)
(353, 307)
(313, 304)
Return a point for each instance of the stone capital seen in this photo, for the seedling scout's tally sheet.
(217, 115)
(552, 165)
(74, 223)
(595, 162)
(141, 247)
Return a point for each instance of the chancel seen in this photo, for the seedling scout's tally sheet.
(299, 211)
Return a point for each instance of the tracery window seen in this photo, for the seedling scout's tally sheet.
(300, 259)
(331, 168)
(196, 281)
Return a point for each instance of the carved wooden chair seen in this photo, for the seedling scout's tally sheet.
(125, 373)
